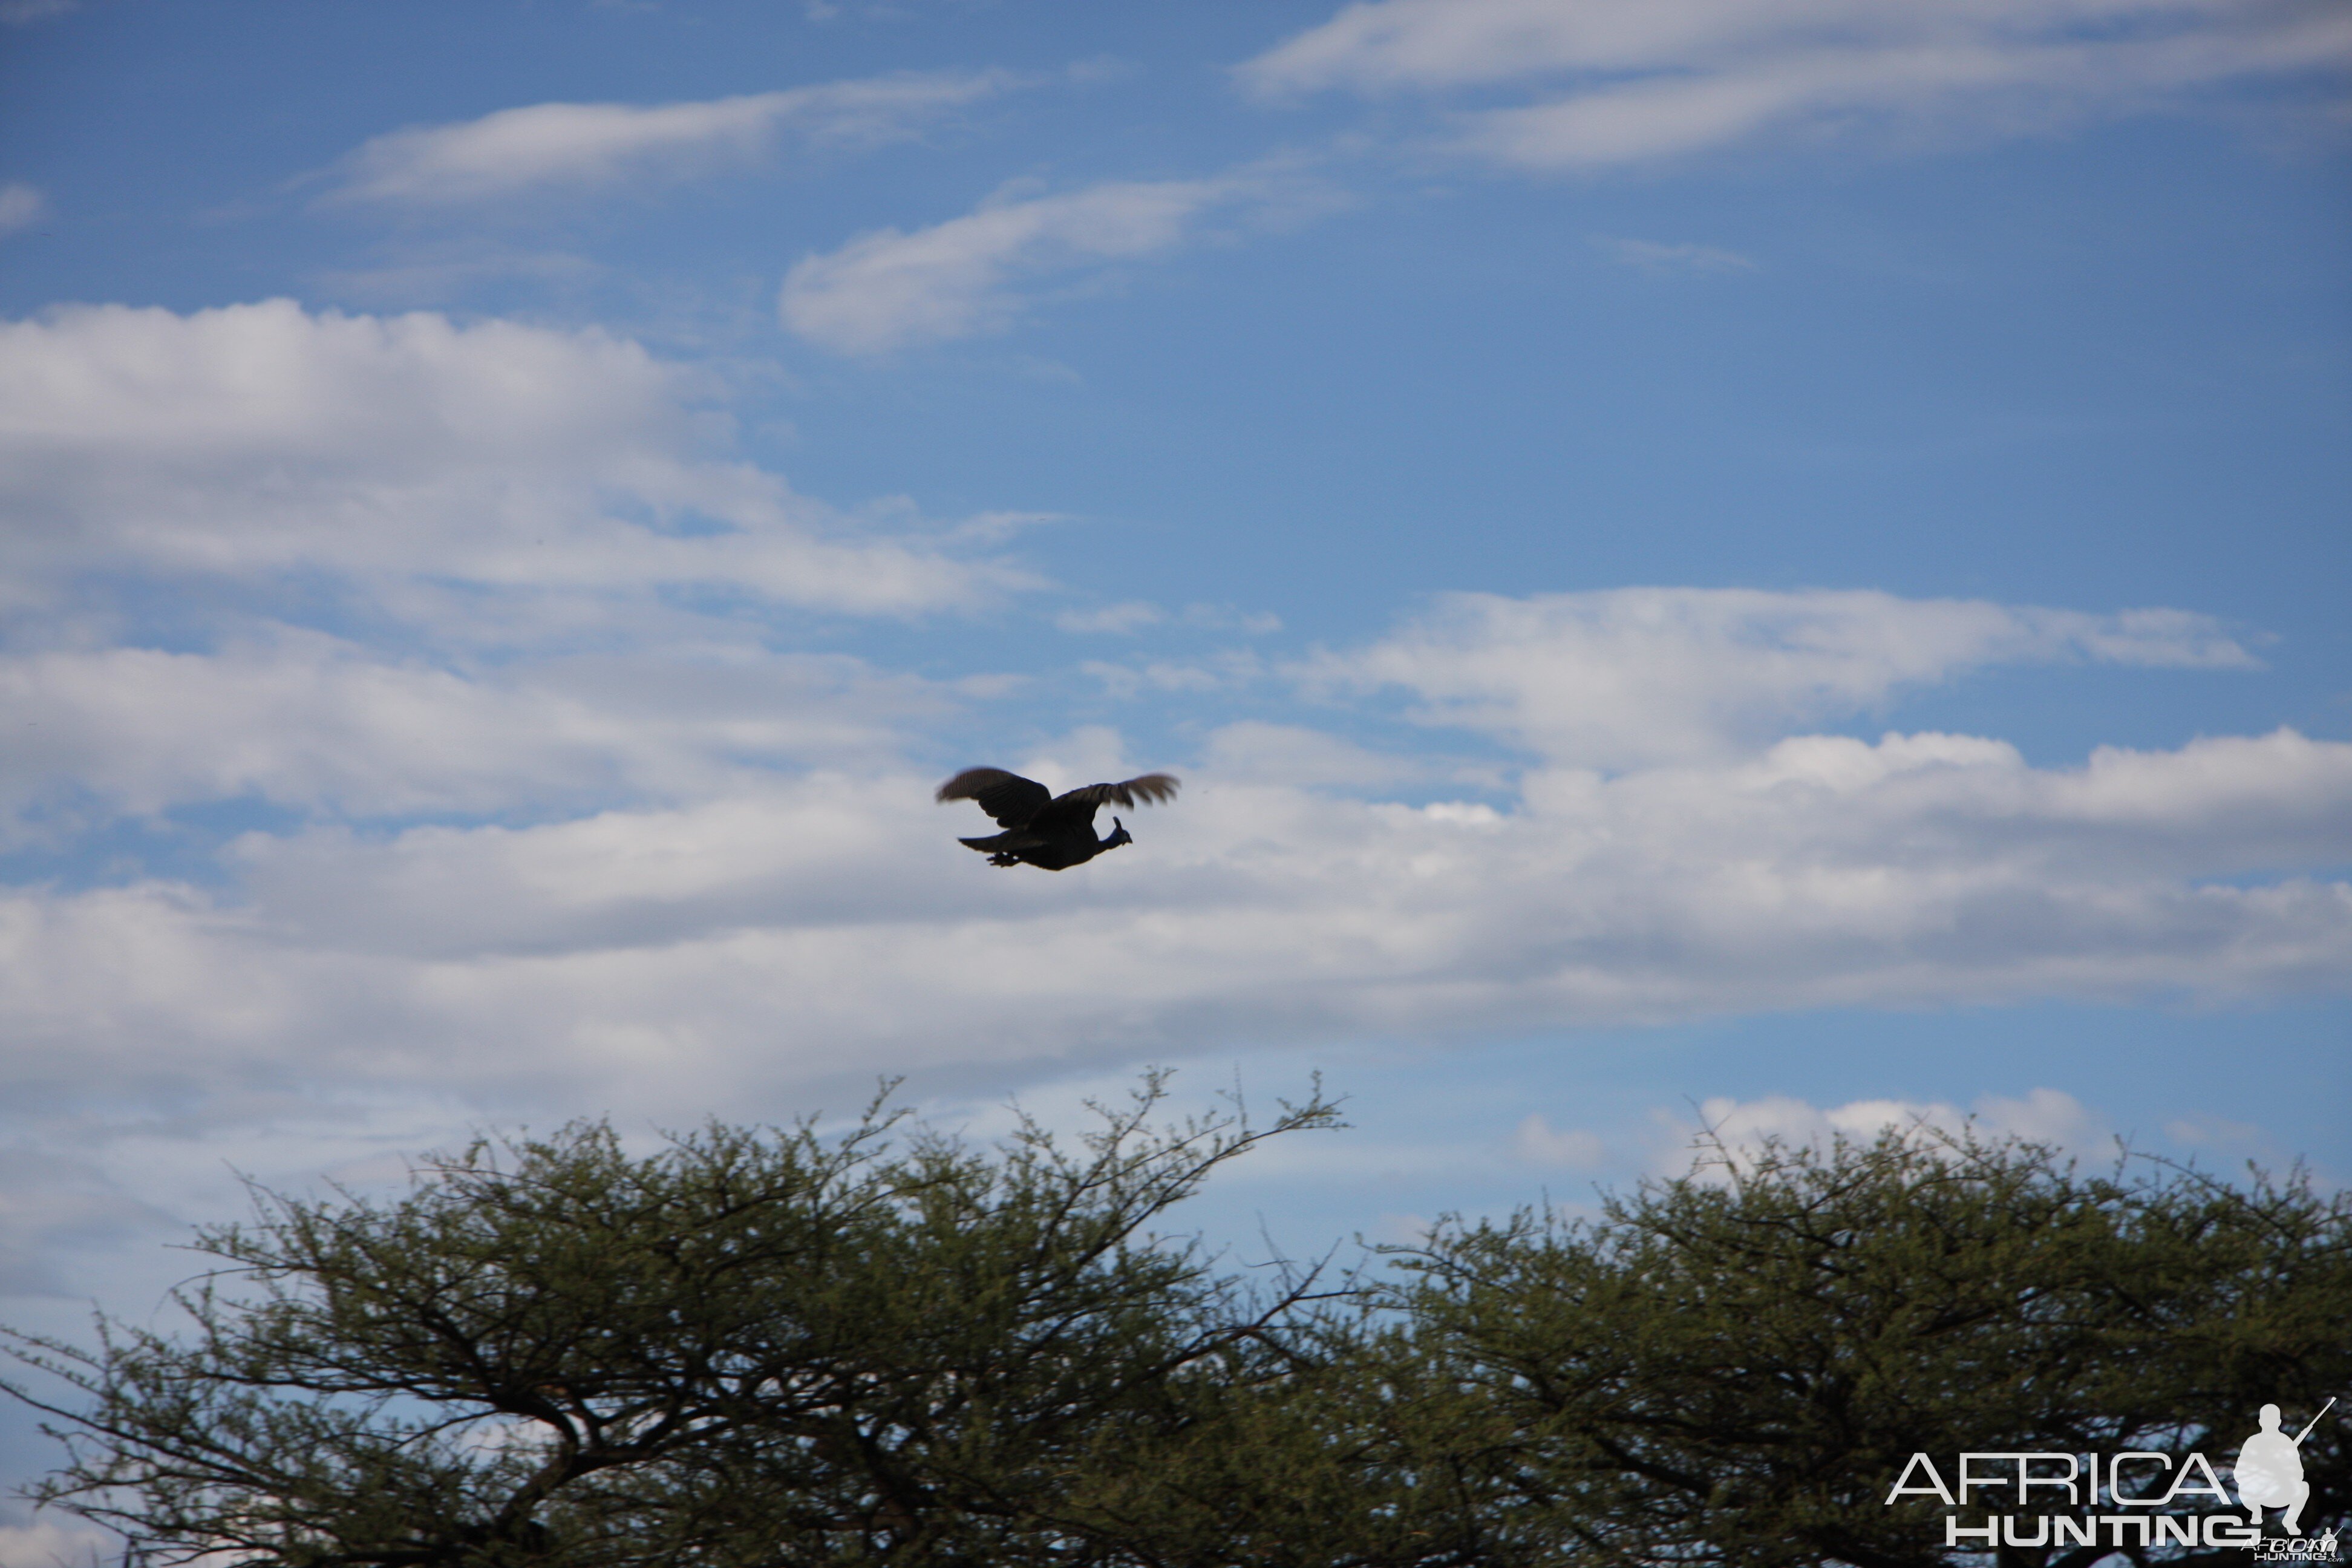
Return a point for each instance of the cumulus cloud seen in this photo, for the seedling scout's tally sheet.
(497, 481)
(890, 289)
(717, 864)
(1647, 675)
(554, 145)
(1628, 81)
(319, 723)
(783, 929)
(407, 567)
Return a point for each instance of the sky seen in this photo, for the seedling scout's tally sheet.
(1777, 566)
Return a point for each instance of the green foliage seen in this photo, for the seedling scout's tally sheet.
(1735, 1366)
(748, 1348)
(769, 1348)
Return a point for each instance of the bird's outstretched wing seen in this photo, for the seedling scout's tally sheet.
(1011, 799)
(1150, 789)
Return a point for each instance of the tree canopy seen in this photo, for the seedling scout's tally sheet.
(765, 1348)
(1736, 1365)
(748, 1347)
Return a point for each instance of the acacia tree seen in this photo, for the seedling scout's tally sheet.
(748, 1348)
(1735, 1366)
(770, 1349)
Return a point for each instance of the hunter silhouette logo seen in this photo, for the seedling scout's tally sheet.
(2269, 1472)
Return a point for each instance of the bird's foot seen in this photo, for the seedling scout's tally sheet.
(1000, 859)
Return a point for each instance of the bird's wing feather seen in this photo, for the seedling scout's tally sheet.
(1011, 799)
(1148, 789)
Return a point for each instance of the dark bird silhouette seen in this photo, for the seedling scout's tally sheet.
(1046, 830)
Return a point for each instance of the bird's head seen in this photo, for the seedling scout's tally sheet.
(1119, 834)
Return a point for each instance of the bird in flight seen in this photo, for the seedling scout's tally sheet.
(1047, 830)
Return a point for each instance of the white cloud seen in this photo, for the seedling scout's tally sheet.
(709, 861)
(499, 482)
(21, 206)
(545, 146)
(412, 568)
(783, 931)
(888, 289)
(1645, 675)
(320, 723)
(782, 857)
(1625, 81)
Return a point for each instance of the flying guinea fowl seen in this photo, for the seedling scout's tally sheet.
(1051, 831)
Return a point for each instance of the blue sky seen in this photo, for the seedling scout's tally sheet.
(1766, 563)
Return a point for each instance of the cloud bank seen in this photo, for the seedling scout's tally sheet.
(487, 757)
(798, 908)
